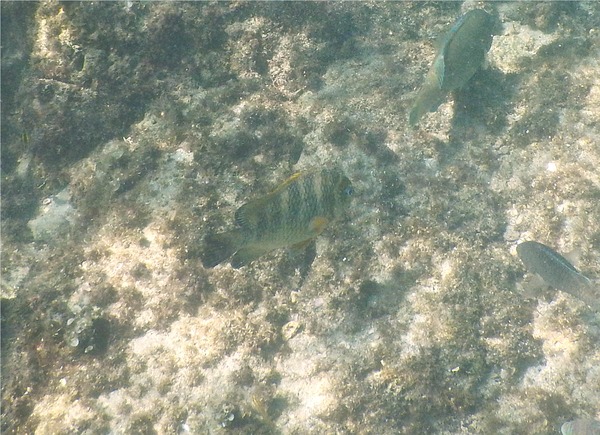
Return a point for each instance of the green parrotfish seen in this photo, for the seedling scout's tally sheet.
(292, 215)
(462, 52)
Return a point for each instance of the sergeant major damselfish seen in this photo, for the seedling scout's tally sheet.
(292, 215)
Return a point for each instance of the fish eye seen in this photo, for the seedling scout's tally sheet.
(348, 191)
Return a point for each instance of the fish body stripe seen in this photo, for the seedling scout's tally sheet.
(293, 213)
(275, 215)
(294, 198)
(552, 256)
(310, 203)
(328, 198)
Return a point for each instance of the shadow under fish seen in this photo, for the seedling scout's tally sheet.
(557, 272)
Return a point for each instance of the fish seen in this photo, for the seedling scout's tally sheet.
(557, 272)
(581, 426)
(294, 214)
(462, 52)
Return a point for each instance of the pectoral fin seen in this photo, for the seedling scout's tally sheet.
(302, 256)
(428, 100)
(318, 224)
(298, 247)
(247, 255)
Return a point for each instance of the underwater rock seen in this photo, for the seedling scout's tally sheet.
(55, 218)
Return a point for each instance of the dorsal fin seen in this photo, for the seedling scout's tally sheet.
(287, 182)
(247, 216)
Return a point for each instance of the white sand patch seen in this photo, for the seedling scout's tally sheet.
(517, 43)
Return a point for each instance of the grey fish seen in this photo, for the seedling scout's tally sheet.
(462, 53)
(581, 426)
(292, 215)
(557, 272)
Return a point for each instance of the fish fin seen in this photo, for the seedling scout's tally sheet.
(533, 286)
(428, 99)
(247, 255)
(219, 247)
(414, 115)
(573, 256)
(318, 224)
(441, 40)
(287, 182)
(248, 214)
(301, 257)
(439, 66)
(588, 292)
(243, 215)
(301, 246)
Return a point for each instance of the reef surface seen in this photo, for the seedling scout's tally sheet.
(130, 130)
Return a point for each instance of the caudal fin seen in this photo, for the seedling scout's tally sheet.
(428, 100)
(219, 247)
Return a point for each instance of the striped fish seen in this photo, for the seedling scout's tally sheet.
(557, 272)
(292, 215)
(581, 426)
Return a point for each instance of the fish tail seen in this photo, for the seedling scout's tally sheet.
(219, 247)
(428, 100)
(589, 293)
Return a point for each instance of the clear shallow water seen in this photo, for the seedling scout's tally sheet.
(132, 130)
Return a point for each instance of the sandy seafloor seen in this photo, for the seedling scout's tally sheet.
(130, 130)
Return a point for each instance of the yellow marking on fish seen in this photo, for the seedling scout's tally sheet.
(296, 212)
(287, 182)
